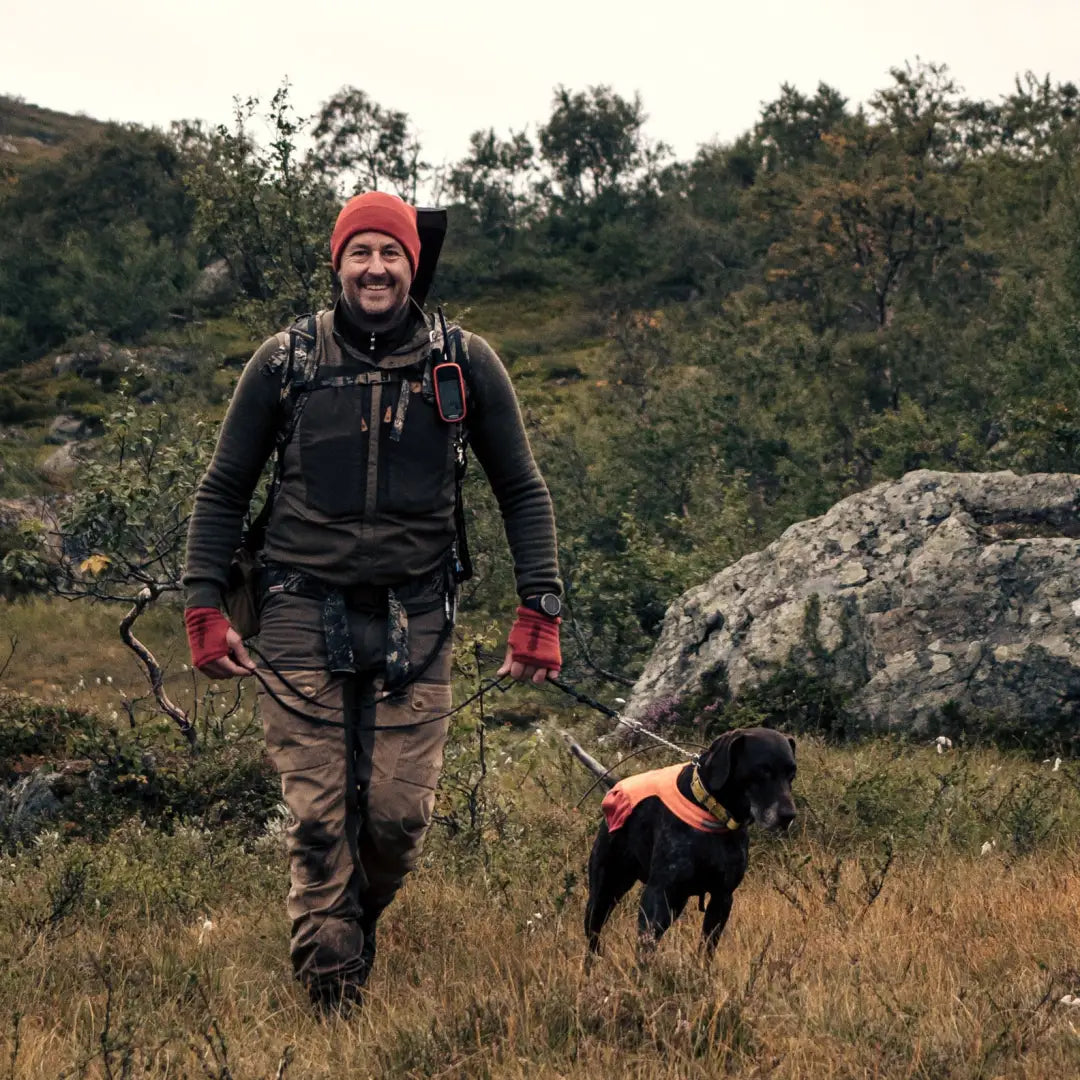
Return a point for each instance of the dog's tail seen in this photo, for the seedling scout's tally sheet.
(590, 763)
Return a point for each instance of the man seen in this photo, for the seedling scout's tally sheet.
(354, 645)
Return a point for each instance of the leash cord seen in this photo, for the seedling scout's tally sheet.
(497, 683)
(607, 775)
(633, 725)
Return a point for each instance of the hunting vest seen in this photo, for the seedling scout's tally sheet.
(370, 465)
(620, 801)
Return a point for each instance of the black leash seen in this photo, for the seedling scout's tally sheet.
(584, 698)
(613, 714)
(633, 725)
(495, 684)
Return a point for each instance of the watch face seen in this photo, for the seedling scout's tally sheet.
(550, 604)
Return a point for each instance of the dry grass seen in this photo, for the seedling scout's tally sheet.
(836, 962)
(955, 972)
(62, 643)
(873, 941)
(70, 653)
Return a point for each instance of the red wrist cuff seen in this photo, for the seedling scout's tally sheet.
(534, 640)
(206, 629)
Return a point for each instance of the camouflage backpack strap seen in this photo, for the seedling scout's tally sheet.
(299, 376)
(299, 369)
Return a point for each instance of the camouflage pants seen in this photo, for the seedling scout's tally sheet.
(360, 797)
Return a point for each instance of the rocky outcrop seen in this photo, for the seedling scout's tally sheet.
(61, 465)
(106, 363)
(215, 288)
(28, 806)
(65, 429)
(941, 594)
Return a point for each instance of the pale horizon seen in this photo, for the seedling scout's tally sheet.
(703, 76)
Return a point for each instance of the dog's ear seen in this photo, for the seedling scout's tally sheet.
(791, 743)
(715, 763)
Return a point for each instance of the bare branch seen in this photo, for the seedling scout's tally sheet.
(611, 676)
(153, 670)
(14, 639)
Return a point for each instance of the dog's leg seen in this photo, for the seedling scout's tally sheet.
(716, 917)
(658, 910)
(607, 886)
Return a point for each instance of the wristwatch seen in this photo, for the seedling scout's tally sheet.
(546, 603)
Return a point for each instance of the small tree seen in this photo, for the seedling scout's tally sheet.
(597, 151)
(267, 211)
(362, 146)
(495, 181)
(121, 538)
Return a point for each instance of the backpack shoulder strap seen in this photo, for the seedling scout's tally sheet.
(461, 354)
(455, 347)
(297, 375)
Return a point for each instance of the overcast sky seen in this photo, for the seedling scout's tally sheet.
(703, 69)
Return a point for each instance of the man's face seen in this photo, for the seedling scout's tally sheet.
(375, 277)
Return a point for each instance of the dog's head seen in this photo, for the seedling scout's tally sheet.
(750, 771)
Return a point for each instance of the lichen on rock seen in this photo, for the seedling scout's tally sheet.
(937, 595)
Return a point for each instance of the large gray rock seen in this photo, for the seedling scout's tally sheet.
(941, 591)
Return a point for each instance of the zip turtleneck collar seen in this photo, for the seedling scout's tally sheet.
(375, 344)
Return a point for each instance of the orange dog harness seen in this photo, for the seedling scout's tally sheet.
(620, 801)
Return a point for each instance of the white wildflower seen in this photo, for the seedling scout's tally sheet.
(988, 847)
(274, 834)
(1069, 999)
(108, 679)
(206, 928)
(943, 743)
(98, 680)
(1057, 764)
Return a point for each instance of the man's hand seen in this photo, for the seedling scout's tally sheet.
(532, 651)
(217, 650)
(524, 672)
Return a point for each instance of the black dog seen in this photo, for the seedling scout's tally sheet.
(744, 776)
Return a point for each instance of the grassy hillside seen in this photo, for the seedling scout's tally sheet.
(29, 133)
(920, 919)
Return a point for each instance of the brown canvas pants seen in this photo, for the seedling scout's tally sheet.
(360, 797)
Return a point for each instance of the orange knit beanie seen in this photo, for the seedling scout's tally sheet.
(376, 211)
